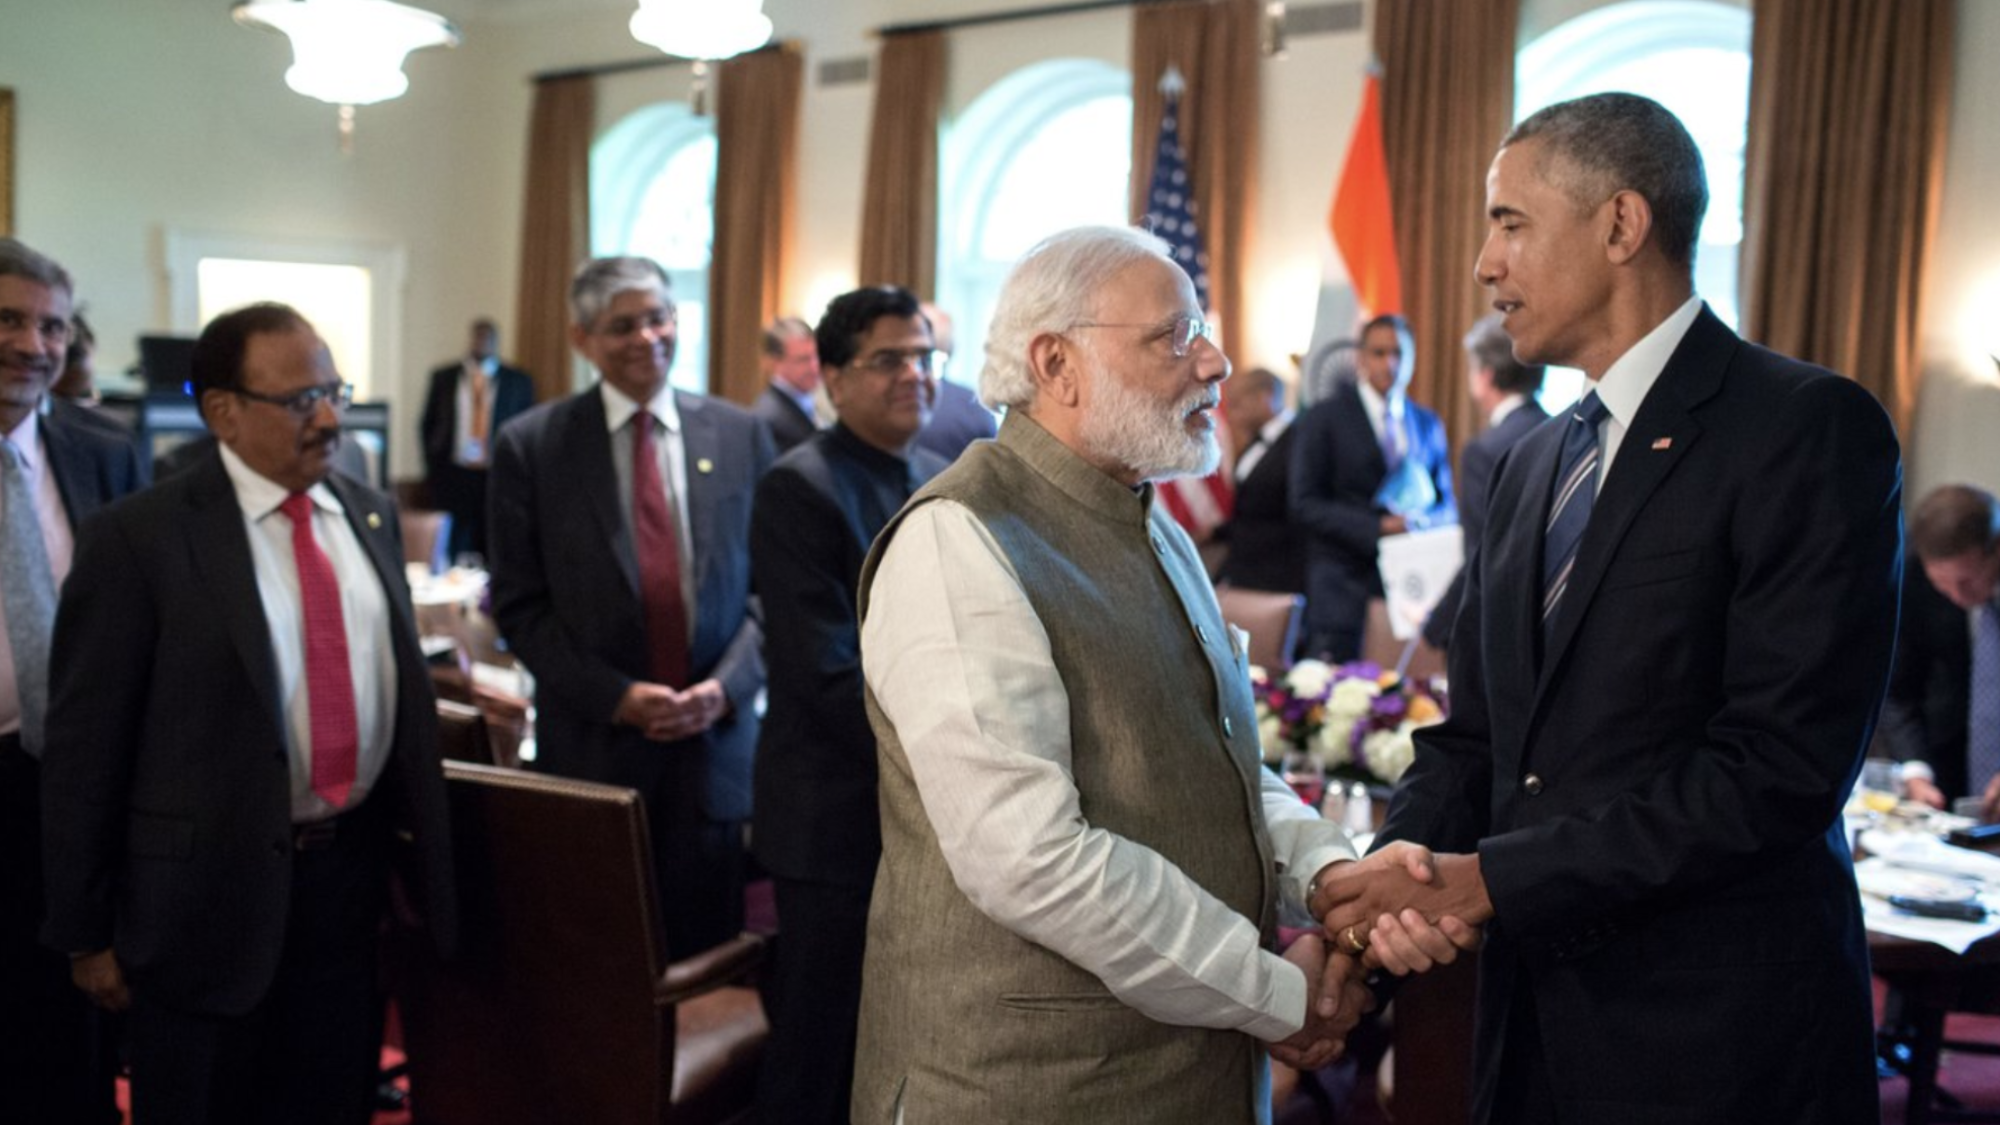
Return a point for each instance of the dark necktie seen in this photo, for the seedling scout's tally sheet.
(1982, 725)
(1569, 508)
(1392, 450)
(329, 678)
(30, 592)
(658, 544)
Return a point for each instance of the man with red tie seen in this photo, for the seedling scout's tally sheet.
(242, 743)
(619, 546)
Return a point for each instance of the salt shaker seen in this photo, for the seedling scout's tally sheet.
(1360, 812)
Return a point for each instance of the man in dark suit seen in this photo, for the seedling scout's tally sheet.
(469, 401)
(1660, 699)
(1504, 390)
(621, 578)
(1367, 463)
(791, 372)
(818, 832)
(1266, 551)
(959, 419)
(242, 738)
(1948, 604)
(56, 472)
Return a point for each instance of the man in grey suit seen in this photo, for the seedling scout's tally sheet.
(67, 468)
(242, 744)
(1504, 390)
(621, 577)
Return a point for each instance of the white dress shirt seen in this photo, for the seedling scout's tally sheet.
(56, 539)
(1267, 435)
(1385, 414)
(1624, 384)
(961, 665)
(670, 451)
(364, 610)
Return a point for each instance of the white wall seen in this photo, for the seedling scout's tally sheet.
(136, 117)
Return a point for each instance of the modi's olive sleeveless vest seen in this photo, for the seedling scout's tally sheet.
(962, 1021)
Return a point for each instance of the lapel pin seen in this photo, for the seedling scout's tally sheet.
(1663, 443)
(374, 521)
(704, 465)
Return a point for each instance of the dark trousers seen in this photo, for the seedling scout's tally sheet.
(54, 1067)
(1524, 1095)
(808, 1074)
(462, 492)
(309, 1052)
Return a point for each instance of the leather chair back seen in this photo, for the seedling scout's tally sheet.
(560, 1005)
(1272, 620)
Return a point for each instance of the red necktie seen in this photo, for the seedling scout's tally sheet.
(659, 560)
(329, 682)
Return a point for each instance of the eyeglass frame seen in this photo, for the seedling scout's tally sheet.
(1196, 329)
(305, 403)
(930, 361)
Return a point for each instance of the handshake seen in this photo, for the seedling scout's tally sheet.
(1403, 910)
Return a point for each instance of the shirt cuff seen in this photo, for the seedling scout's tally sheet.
(1286, 1013)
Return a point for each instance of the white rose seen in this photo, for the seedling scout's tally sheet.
(1308, 679)
(1269, 734)
(1390, 752)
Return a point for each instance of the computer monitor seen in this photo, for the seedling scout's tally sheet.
(166, 363)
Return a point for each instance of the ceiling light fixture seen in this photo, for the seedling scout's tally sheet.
(702, 31)
(348, 52)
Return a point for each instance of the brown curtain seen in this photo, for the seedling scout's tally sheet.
(899, 206)
(756, 202)
(555, 229)
(1215, 45)
(1848, 100)
(1447, 99)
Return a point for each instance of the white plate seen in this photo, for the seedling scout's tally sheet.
(1889, 882)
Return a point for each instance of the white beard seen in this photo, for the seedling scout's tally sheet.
(1125, 427)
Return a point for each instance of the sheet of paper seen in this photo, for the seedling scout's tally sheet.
(1416, 568)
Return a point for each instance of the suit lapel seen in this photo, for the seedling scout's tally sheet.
(1360, 432)
(76, 474)
(369, 515)
(220, 549)
(701, 446)
(1659, 437)
(588, 452)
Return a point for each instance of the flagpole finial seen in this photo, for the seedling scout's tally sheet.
(1171, 82)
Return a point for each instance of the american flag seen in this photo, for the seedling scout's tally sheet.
(1202, 505)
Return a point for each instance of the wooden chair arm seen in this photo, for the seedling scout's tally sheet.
(710, 969)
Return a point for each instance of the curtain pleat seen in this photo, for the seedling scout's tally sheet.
(756, 204)
(1447, 100)
(1849, 102)
(555, 229)
(899, 206)
(1215, 45)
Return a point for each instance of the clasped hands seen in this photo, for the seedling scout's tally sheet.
(1403, 910)
(667, 714)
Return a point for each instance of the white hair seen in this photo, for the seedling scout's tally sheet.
(1052, 288)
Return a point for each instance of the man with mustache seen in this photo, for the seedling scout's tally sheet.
(619, 538)
(1083, 858)
(56, 472)
(242, 744)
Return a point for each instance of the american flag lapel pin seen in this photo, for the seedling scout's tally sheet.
(1663, 443)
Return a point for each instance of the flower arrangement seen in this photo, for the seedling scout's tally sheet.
(1357, 720)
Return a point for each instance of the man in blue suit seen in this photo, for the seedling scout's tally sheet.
(1659, 698)
(1504, 390)
(621, 578)
(1367, 463)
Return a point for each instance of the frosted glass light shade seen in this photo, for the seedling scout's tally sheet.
(702, 29)
(349, 52)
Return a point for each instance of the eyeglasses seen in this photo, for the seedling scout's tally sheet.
(1181, 331)
(655, 320)
(890, 362)
(305, 403)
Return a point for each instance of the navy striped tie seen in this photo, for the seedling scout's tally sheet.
(1569, 508)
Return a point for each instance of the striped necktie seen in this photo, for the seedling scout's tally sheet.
(1982, 720)
(333, 722)
(1569, 508)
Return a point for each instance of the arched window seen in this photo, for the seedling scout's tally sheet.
(1692, 56)
(1046, 148)
(652, 193)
